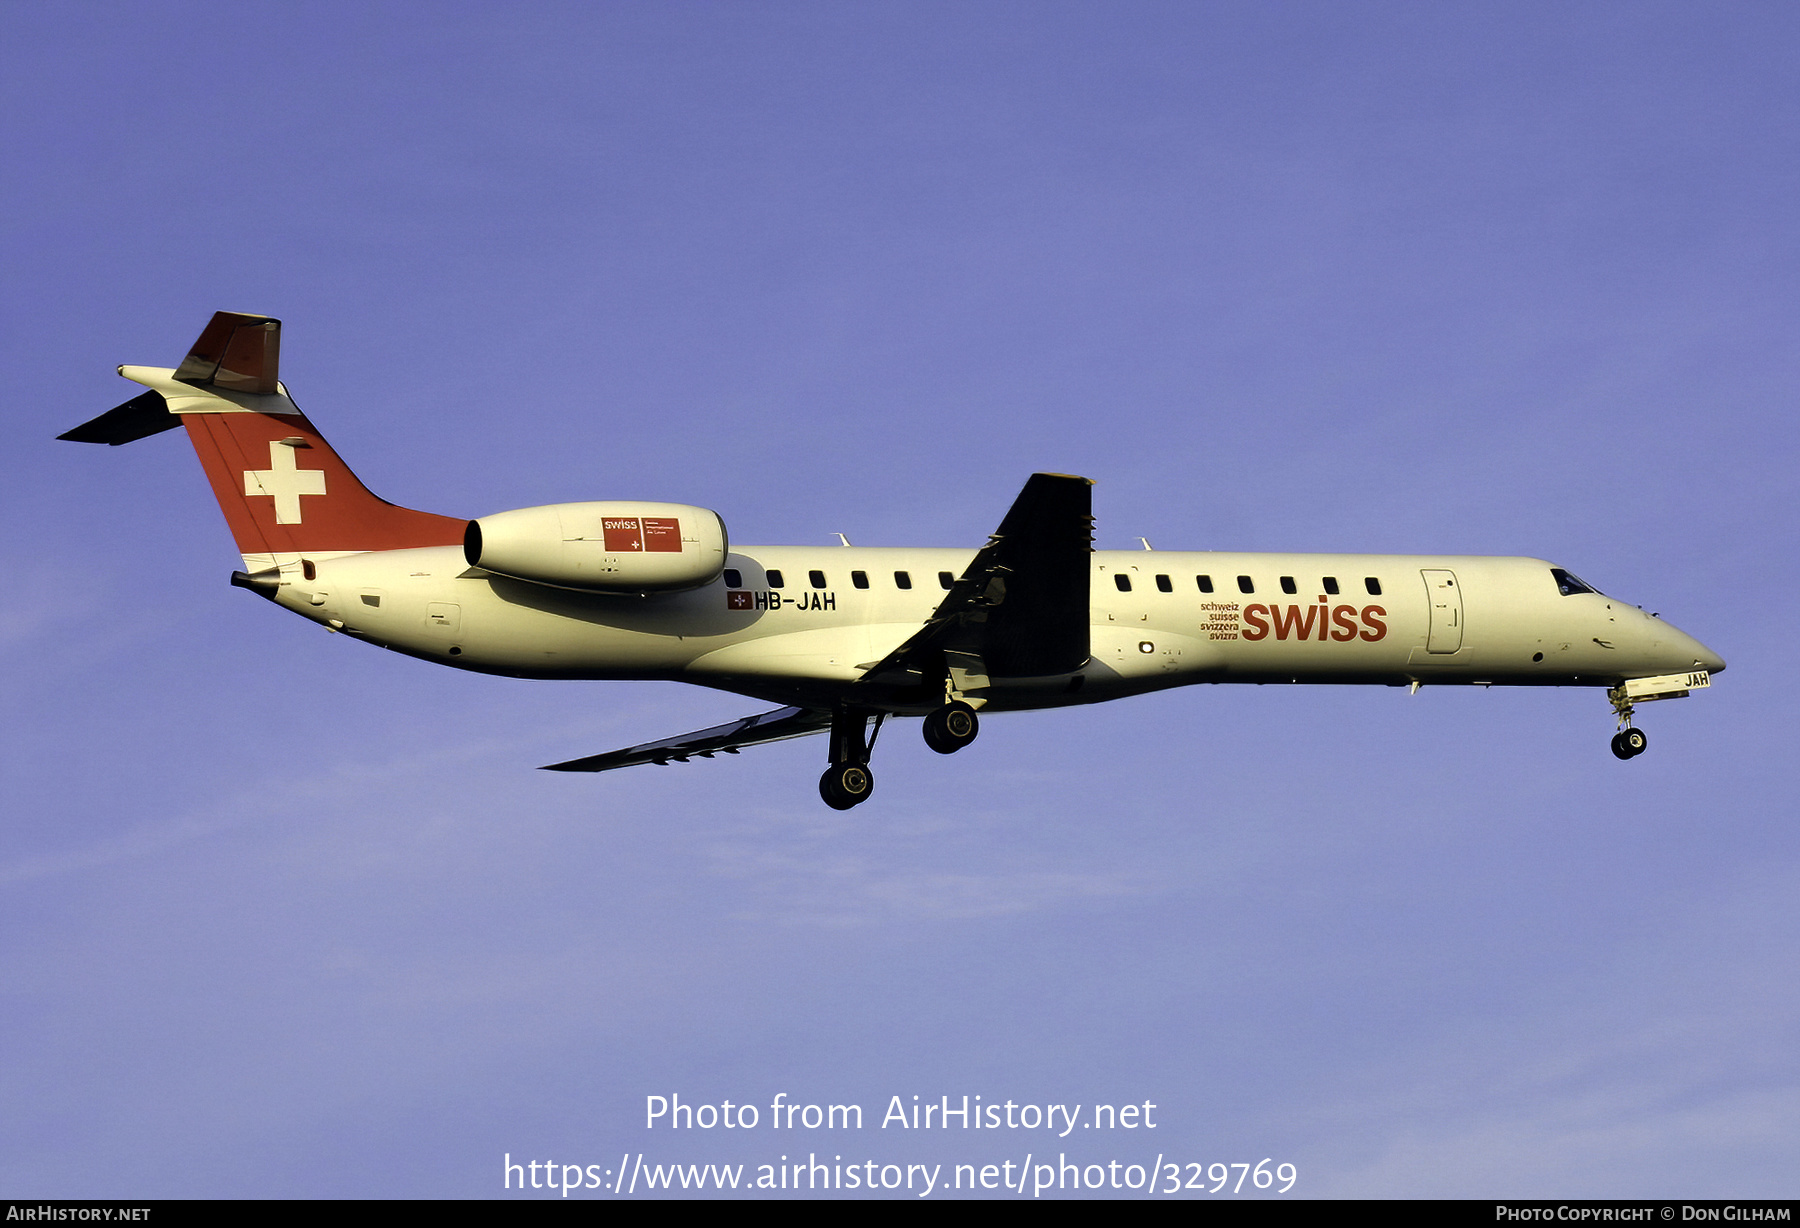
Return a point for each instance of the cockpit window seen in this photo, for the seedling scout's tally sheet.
(1568, 584)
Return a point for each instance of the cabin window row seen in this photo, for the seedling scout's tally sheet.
(1247, 584)
(858, 579)
(1164, 584)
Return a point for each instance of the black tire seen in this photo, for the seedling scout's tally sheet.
(1618, 745)
(934, 737)
(846, 784)
(1634, 742)
(951, 728)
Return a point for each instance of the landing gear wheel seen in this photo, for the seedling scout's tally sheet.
(846, 784)
(1634, 742)
(951, 728)
(1618, 745)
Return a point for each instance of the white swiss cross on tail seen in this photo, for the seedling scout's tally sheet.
(284, 481)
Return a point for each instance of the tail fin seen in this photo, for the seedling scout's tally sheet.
(283, 490)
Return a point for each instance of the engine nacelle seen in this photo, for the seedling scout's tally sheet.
(602, 547)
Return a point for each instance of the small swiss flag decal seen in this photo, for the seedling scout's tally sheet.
(738, 601)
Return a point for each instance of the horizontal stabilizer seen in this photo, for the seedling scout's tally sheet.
(776, 726)
(139, 418)
(236, 352)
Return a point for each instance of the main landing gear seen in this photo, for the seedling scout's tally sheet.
(846, 784)
(848, 781)
(951, 727)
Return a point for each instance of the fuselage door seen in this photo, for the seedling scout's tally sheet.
(1446, 611)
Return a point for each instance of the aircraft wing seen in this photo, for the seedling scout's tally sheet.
(776, 726)
(1020, 609)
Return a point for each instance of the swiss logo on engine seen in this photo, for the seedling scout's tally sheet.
(646, 534)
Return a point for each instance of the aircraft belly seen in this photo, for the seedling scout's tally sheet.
(426, 603)
(1130, 655)
(825, 654)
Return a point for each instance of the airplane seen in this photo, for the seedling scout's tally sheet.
(845, 637)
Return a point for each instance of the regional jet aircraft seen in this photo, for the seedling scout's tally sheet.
(845, 637)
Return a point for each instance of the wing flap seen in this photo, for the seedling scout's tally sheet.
(776, 726)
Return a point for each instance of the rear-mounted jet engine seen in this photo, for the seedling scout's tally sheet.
(602, 547)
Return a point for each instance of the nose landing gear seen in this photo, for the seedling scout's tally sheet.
(1629, 742)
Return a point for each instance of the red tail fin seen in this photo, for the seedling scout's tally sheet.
(282, 488)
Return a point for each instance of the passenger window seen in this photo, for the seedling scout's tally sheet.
(1163, 585)
(733, 578)
(1287, 585)
(775, 580)
(1205, 583)
(1568, 584)
(1122, 582)
(902, 579)
(859, 579)
(946, 579)
(1246, 585)
(817, 578)
(1331, 588)
(1373, 585)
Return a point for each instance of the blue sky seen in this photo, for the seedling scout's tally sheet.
(284, 915)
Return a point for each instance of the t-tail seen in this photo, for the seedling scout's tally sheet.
(284, 491)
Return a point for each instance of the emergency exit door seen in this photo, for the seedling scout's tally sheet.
(1446, 611)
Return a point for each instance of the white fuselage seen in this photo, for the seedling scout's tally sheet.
(1449, 619)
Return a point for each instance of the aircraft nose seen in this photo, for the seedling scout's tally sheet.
(1685, 652)
(1702, 656)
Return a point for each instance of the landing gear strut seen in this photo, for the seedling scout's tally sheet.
(848, 781)
(951, 727)
(1629, 742)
